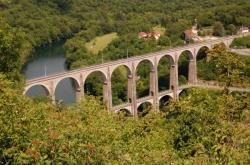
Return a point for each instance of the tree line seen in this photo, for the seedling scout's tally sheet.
(202, 127)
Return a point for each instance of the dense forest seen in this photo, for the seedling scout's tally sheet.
(202, 127)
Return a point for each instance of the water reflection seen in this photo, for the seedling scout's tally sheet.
(46, 61)
(37, 91)
(65, 91)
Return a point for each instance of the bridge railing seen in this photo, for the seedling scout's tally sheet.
(239, 89)
(118, 107)
(184, 86)
(143, 99)
(163, 93)
(221, 84)
(213, 83)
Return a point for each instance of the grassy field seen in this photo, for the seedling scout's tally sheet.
(159, 29)
(99, 43)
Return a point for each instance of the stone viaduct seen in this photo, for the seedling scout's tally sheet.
(49, 83)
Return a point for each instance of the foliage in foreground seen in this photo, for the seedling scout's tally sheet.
(224, 66)
(229, 66)
(202, 127)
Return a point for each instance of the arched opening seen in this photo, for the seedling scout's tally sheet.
(66, 91)
(184, 67)
(95, 84)
(38, 92)
(144, 109)
(205, 70)
(183, 93)
(124, 113)
(202, 53)
(120, 79)
(164, 67)
(144, 73)
(164, 102)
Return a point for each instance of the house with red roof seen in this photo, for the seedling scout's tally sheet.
(142, 35)
(155, 35)
(191, 33)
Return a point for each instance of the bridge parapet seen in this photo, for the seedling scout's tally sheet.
(184, 87)
(144, 99)
(127, 106)
(166, 92)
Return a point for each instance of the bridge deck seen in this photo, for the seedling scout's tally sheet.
(121, 61)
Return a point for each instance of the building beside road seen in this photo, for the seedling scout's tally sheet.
(243, 30)
(155, 35)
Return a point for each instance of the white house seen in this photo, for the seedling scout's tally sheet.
(243, 30)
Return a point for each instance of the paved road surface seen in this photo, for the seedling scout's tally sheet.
(204, 85)
(244, 52)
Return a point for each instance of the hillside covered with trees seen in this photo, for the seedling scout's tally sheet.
(44, 21)
(202, 127)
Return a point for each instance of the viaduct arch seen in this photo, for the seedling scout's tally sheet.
(80, 75)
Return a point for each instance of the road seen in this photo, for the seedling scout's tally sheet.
(244, 52)
(221, 88)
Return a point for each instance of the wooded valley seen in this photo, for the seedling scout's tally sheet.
(202, 127)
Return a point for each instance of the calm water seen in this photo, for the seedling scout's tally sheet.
(46, 61)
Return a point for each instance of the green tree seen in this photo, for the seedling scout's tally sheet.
(164, 41)
(16, 118)
(231, 29)
(218, 29)
(63, 4)
(10, 51)
(243, 42)
(229, 66)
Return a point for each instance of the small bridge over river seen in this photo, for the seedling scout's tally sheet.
(49, 83)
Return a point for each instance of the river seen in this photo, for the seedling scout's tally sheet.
(45, 61)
